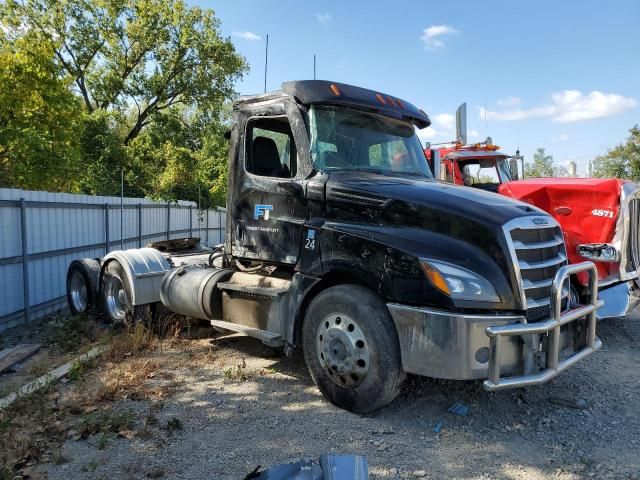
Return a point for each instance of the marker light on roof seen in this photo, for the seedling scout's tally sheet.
(393, 104)
(400, 103)
(381, 99)
(335, 90)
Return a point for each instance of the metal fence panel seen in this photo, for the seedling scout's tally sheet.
(61, 227)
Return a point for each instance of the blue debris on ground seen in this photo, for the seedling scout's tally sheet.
(459, 409)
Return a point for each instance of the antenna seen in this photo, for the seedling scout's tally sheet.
(266, 63)
(485, 118)
(314, 66)
(518, 127)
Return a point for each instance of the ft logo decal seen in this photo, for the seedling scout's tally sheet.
(262, 211)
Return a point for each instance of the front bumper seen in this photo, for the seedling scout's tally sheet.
(503, 349)
(619, 300)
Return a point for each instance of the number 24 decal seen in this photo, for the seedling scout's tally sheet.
(598, 212)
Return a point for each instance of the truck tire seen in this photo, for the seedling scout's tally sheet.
(116, 297)
(351, 348)
(82, 285)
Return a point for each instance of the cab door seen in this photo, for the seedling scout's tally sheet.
(270, 208)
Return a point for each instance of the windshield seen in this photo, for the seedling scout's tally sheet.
(487, 171)
(343, 139)
(504, 170)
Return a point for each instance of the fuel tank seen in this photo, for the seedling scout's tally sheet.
(192, 291)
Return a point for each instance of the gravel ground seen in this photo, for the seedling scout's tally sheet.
(246, 408)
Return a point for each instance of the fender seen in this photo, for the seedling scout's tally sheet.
(387, 259)
(144, 268)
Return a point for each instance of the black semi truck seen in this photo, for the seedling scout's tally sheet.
(340, 241)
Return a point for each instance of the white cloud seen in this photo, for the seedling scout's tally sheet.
(568, 106)
(473, 134)
(427, 134)
(432, 36)
(509, 102)
(445, 121)
(247, 36)
(563, 137)
(323, 17)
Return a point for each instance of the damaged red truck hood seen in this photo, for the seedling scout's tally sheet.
(586, 208)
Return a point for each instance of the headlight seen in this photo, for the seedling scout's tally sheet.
(459, 283)
(600, 252)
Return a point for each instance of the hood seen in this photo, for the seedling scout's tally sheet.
(428, 219)
(393, 192)
(587, 208)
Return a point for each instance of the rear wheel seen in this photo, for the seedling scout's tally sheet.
(82, 285)
(351, 348)
(116, 297)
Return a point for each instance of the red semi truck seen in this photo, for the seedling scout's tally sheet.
(600, 218)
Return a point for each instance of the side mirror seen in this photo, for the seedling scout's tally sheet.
(435, 161)
(513, 167)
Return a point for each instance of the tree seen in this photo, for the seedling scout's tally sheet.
(139, 57)
(543, 166)
(151, 79)
(39, 118)
(623, 161)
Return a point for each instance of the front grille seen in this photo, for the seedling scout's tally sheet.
(539, 253)
(633, 237)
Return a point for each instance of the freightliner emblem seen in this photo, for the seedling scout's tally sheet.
(540, 221)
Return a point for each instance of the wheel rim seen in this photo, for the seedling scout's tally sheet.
(78, 292)
(342, 350)
(116, 298)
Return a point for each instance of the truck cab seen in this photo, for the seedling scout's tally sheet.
(340, 241)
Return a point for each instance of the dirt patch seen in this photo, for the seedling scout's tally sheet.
(217, 408)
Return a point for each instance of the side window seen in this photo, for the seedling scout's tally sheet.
(271, 151)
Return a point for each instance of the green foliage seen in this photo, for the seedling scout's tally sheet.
(106, 85)
(543, 166)
(623, 161)
(103, 155)
(39, 117)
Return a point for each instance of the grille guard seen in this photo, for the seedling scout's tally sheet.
(531, 331)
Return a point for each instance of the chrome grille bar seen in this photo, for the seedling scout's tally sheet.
(529, 246)
(560, 258)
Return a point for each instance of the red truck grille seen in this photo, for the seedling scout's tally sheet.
(539, 253)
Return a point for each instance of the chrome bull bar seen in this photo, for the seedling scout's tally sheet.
(551, 327)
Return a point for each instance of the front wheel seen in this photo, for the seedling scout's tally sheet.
(351, 348)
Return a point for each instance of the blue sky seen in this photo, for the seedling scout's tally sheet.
(563, 75)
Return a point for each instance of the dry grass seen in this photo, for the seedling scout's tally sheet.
(35, 427)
